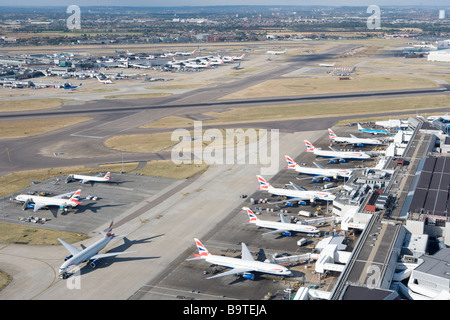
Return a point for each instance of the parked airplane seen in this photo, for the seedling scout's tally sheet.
(237, 58)
(244, 266)
(197, 66)
(276, 52)
(237, 67)
(90, 253)
(341, 155)
(284, 227)
(72, 87)
(41, 202)
(319, 171)
(372, 131)
(85, 179)
(327, 64)
(105, 81)
(186, 53)
(352, 139)
(295, 194)
(444, 118)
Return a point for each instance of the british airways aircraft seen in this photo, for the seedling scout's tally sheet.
(341, 155)
(352, 139)
(244, 266)
(85, 179)
(295, 194)
(42, 202)
(90, 253)
(284, 227)
(319, 171)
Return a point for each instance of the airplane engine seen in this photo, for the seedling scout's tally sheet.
(94, 263)
(248, 276)
(342, 160)
(302, 203)
(326, 179)
(332, 161)
(286, 234)
(360, 145)
(68, 257)
(315, 180)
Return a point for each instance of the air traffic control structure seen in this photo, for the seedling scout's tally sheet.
(401, 208)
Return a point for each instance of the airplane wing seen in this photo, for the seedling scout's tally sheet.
(276, 231)
(64, 195)
(106, 255)
(296, 187)
(289, 200)
(231, 272)
(283, 219)
(38, 205)
(69, 247)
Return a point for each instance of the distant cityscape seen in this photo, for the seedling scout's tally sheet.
(22, 26)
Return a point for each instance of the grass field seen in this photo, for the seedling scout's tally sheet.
(30, 104)
(409, 105)
(329, 84)
(29, 128)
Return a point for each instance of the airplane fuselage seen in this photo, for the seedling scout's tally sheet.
(323, 172)
(341, 154)
(286, 226)
(256, 266)
(304, 195)
(47, 201)
(357, 141)
(90, 178)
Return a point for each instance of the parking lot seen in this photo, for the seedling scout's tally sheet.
(112, 200)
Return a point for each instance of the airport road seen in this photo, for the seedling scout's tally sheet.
(159, 236)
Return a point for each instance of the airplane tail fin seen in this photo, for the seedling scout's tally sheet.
(108, 176)
(331, 134)
(202, 251)
(252, 217)
(309, 146)
(359, 127)
(76, 197)
(263, 184)
(291, 164)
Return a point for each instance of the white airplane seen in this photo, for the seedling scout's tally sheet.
(244, 266)
(105, 81)
(341, 155)
(186, 53)
(276, 52)
(444, 118)
(237, 58)
(90, 253)
(41, 202)
(352, 139)
(295, 194)
(284, 227)
(319, 171)
(372, 131)
(327, 64)
(197, 66)
(85, 179)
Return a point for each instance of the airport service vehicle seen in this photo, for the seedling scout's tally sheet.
(90, 253)
(353, 139)
(372, 131)
(86, 179)
(295, 194)
(333, 153)
(284, 227)
(41, 202)
(276, 52)
(244, 266)
(319, 171)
